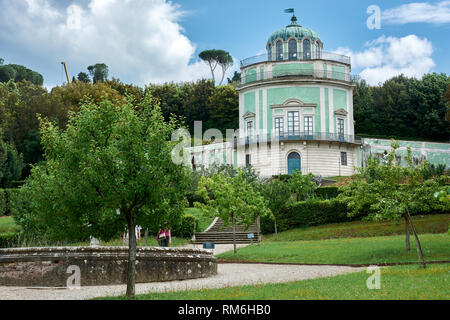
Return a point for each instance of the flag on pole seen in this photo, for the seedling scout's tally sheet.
(290, 10)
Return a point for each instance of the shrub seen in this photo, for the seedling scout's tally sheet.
(10, 239)
(2, 202)
(325, 193)
(309, 213)
(12, 196)
(187, 227)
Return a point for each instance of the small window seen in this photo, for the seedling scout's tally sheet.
(247, 160)
(344, 158)
(270, 52)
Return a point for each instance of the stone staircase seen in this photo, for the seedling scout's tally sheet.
(219, 234)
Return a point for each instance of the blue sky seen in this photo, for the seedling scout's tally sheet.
(146, 41)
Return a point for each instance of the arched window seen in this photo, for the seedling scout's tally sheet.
(279, 50)
(292, 49)
(317, 50)
(306, 49)
(269, 51)
(294, 162)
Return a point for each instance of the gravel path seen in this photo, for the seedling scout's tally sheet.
(228, 275)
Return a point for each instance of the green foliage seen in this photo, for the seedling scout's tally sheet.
(11, 164)
(327, 192)
(308, 213)
(10, 239)
(188, 226)
(2, 202)
(110, 157)
(404, 108)
(215, 57)
(234, 199)
(99, 72)
(83, 77)
(385, 190)
(302, 185)
(19, 73)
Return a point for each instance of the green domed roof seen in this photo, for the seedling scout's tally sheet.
(293, 30)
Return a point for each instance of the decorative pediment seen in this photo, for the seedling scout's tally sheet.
(248, 115)
(294, 103)
(341, 112)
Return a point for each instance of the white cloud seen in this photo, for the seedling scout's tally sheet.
(387, 57)
(140, 40)
(436, 13)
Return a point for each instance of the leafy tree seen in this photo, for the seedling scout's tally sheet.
(83, 77)
(232, 198)
(11, 164)
(1, 61)
(19, 73)
(215, 57)
(224, 108)
(110, 168)
(99, 72)
(391, 191)
(302, 185)
(236, 78)
(277, 194)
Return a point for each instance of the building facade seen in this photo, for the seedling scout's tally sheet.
(295, 111)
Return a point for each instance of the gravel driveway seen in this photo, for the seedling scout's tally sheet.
(228, 275)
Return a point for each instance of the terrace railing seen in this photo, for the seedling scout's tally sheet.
(295, 56)
(296, 136)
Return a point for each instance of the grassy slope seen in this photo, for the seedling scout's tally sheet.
(8, 225)
(424, 224)
(398, 283)
(204, 221)
(374, 250)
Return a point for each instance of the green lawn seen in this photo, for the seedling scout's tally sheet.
(8, 225)
(204, 221)
(373, 250)
(397, 283)
(424, 224)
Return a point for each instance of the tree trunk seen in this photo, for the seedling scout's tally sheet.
(234, 233)
(131, 271)
(276, 230)
(418, 246)
(407, 233)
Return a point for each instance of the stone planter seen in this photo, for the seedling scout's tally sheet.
(53, 266)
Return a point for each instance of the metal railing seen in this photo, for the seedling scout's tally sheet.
(296, 136)
(296, 56)
(254, 76)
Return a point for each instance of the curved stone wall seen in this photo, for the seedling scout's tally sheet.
(53, 266)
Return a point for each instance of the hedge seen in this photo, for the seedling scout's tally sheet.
(325, 193)
(308, 213)
(10, 239)
(8, 199)
(2, 202)
(187, 227)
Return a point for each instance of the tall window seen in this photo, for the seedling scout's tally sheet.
(317, 50)
(343, 158)
(292, 49)
(247, 160)
(308, 122)
(341, 128)
(279, 50)
(270, 52)
(293, 123)
(279, 127)
(306, 49)
(249, 128)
